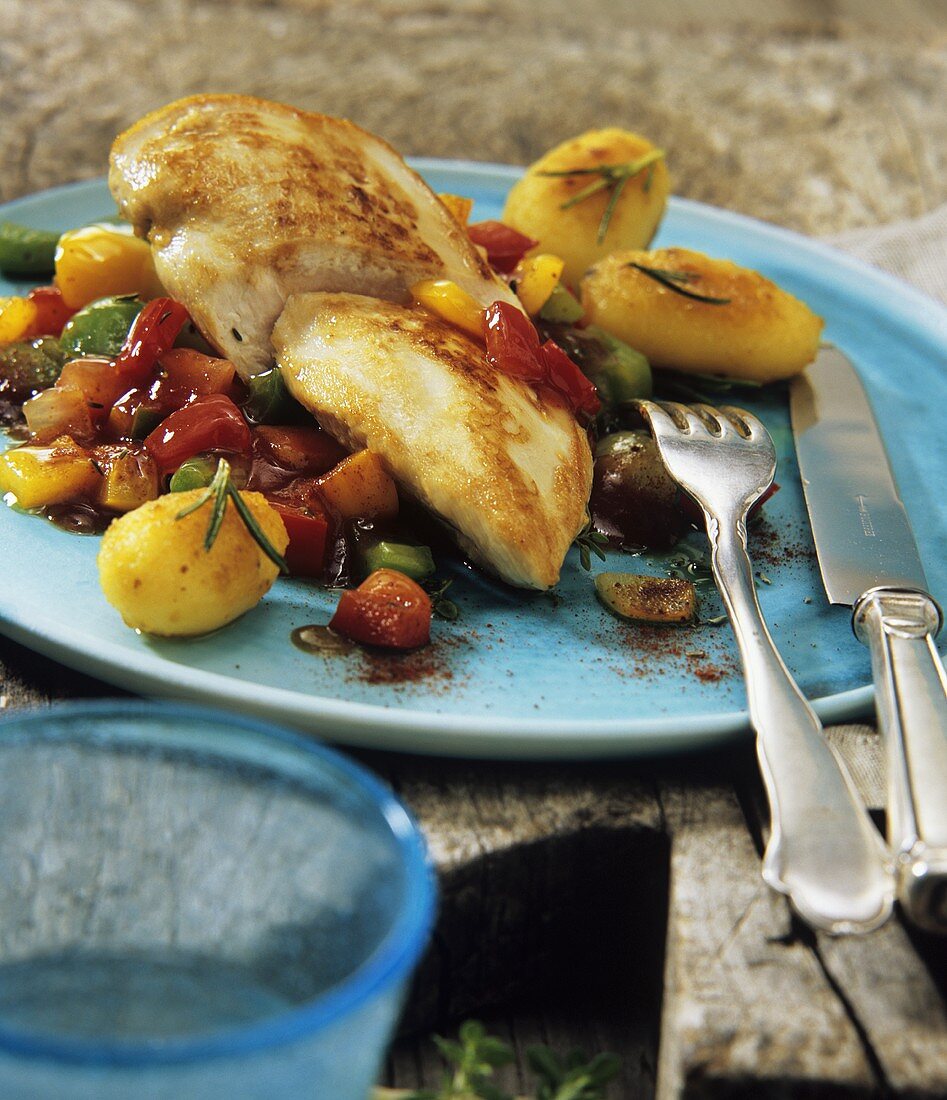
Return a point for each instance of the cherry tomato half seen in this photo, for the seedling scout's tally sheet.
(512, 343)
(564, 376)
(211, 423)
(387, 609)
(505, 246)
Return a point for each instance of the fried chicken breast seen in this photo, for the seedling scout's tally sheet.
(509, 471)
(246, 202)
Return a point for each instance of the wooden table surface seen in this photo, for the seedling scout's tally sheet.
(610, 906)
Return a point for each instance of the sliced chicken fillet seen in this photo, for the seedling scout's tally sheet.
(510, 472)
(246, 202)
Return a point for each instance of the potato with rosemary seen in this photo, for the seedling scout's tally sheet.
(601, 191)
(688, 312)
(155, 569)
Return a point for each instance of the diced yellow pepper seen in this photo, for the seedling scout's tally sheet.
(451, 303)
(130, 482)
(458, 205)
(37, 476)
(360, 488)
(100, 260)
(17, 316)
(536, 278)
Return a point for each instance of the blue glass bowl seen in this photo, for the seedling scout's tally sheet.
(195, 904)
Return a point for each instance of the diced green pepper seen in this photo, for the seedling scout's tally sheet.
(25, 251)
(621, 374)
(269, 401)
(415, 562)
(144, 421)
(27, 368)
(196, 473)
(100, 328)
(561, 308)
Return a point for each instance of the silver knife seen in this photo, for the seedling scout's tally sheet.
(869, 559)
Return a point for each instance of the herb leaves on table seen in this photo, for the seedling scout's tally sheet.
(472, 1059)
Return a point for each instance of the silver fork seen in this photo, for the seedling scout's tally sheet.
(823, 851)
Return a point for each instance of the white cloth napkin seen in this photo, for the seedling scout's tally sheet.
(915, 250)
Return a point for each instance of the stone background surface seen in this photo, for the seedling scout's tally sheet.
(610, 906)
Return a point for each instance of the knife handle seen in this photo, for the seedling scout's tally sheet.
(823, 852)
(899, 626)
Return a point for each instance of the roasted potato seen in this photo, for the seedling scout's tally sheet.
(534, 205)
(701, 315)
(154, 569)
(647, 599)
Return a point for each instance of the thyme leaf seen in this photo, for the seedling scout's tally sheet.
(676, 281)
(220, 490)
(612, 178)
(589, 542)
(440, 606)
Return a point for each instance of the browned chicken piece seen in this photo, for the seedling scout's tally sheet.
(509, 470)
(246, 202)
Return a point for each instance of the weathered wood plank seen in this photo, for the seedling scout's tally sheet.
(746, 1004)
(896, 1001)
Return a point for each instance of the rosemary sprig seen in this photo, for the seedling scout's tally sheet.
(706, 388)
(590, 542)
(220, 490)
(676, 281)
(612, 178)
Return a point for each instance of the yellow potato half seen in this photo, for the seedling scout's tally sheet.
(758, 332)
(154, 569)
(534, 204)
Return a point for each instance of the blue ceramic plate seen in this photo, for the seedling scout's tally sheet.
(537, 675)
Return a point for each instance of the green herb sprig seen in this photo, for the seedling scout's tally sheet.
(678, 282)
(442, 607)
(589, 542)
(612, 178)
(701, 388)
(473, 1058)
(220, 490)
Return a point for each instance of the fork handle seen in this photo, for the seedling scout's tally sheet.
(823, 851)
(899, 626)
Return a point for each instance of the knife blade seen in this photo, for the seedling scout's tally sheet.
(869, 559)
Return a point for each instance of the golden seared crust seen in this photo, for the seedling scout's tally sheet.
(751, 329)
(509, 471)
(247, 201)
(538, 204)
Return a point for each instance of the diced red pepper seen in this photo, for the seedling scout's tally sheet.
(505, 246)
(51, 312)
(308, 534)
(152, 334)
(387, 609)
(565, 377)
(211, 423)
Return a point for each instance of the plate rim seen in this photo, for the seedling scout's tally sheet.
(436, 733)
